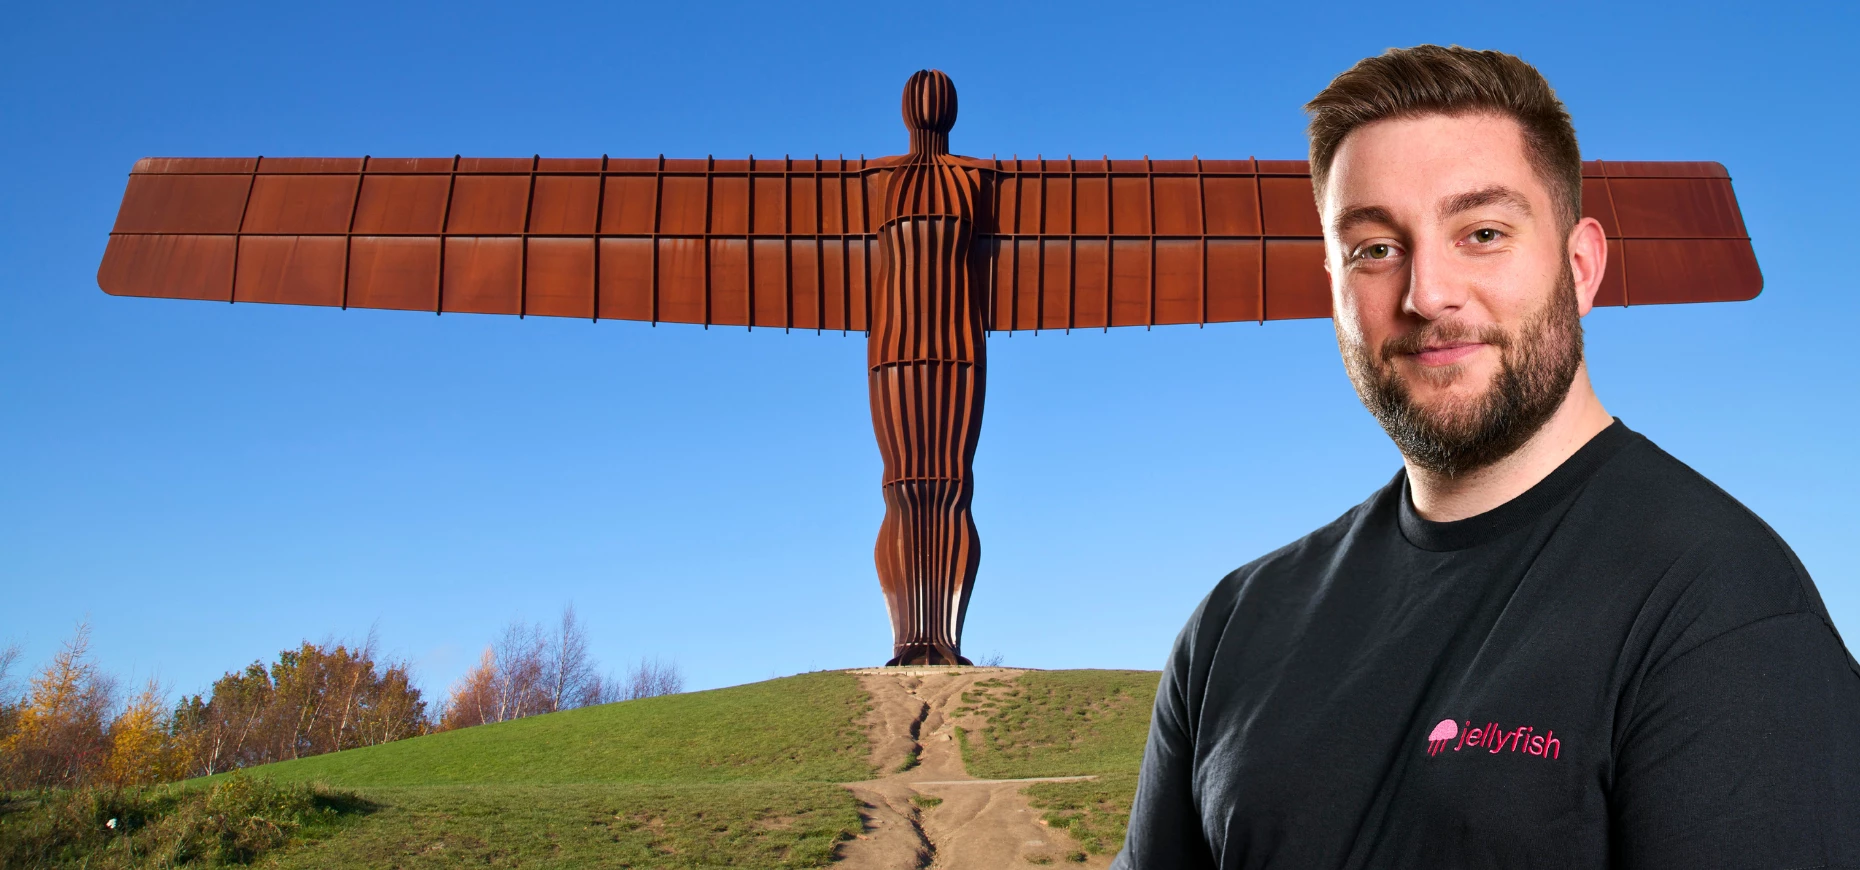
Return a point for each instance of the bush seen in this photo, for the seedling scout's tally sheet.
(229, 822)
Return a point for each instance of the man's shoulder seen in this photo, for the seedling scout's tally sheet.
(1649, 500)
(1659, 495)
(1711, 564)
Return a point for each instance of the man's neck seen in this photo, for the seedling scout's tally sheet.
(1442, 498)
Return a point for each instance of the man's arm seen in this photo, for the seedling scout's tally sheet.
(1165, 823)
(1744, 751)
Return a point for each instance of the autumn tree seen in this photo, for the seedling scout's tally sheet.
(224, 730)
(58, 736)
(473, 699)
(140, 749)
(511, 680)
(317, 698)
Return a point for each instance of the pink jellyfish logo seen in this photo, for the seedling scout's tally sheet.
(1442, 735)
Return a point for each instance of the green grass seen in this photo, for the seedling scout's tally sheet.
(232, 822)
(1095, 812)
(1060, 723)
(633, 825)
(805, 728)
(1067, 723)
(739, 777)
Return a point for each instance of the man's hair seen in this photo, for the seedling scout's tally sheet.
(1432, 80)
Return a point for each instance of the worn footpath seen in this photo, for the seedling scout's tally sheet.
(930, 814)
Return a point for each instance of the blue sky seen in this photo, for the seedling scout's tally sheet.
(209, 484)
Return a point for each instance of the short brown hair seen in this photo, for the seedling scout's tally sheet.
(1432, 80)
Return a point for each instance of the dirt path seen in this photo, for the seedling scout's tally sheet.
(978, 824)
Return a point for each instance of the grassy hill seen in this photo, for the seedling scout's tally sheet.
(806, 728)
(1068, 723)
(744, 776)
(739, 777)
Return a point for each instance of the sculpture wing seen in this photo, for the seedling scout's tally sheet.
(784, 243)
(1099, 243)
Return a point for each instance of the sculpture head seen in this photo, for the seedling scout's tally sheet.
(929, 111)
(1449, 186)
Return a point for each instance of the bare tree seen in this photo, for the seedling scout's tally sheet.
(10, 703)
(9, 656)
(529, 670)
(518, 668)
(652, 678)
(568, 671)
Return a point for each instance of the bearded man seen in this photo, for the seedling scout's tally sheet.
(1546, 642)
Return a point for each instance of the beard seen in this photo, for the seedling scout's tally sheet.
(1456, 436)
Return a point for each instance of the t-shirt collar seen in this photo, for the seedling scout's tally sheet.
(1527, 506)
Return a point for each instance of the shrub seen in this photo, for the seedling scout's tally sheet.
(229, 822)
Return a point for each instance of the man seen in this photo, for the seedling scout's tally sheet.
(1546, 642)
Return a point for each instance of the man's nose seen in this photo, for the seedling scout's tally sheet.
(1434, 291)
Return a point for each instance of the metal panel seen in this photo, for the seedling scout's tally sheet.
(483, 275)
(169, 266)
(565, 205)
(300, 204)
(396, 272)
(402, 204)
(184, 204)
(489, 205)
(559, 277)
(290, 270)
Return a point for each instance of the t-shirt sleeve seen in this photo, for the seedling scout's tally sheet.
(1743, 751)
(1165, 827)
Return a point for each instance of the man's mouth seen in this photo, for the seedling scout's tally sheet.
(1446, 353)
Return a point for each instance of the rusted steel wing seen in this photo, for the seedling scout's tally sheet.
(1070, 244)
(1061, 244)
(755, 242)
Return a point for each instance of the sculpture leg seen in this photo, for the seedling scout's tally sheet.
(927, 415)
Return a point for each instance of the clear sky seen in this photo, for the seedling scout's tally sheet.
(209, 484)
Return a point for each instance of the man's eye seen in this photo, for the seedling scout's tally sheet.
(1485, 236)
(1377, 252)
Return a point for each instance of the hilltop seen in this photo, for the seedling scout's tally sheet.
(881, 768)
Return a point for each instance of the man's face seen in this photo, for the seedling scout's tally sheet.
(1455, 306)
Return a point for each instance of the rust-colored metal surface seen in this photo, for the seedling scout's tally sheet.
(926, 253)
(928, 373)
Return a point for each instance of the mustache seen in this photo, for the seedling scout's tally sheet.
(1443, 332)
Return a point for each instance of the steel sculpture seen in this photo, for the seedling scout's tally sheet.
(926, 254)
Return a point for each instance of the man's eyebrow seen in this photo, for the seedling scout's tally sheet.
(1497, 194)
(1350, 218)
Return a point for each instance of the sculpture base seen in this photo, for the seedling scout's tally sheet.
(926, 654)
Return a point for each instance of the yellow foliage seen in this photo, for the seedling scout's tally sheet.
(474, 696)
(58, 736)
(59, 693)
(141, 752)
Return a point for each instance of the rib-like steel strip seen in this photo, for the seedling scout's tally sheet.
(445, 221)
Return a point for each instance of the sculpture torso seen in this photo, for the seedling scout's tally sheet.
(927, 372)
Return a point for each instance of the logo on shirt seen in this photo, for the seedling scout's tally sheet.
(1493, 738)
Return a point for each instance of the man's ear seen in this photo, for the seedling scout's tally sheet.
(1588, 260)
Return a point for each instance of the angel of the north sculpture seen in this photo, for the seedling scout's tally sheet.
(926, 253)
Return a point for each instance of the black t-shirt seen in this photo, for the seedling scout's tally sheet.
(1622, 667)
